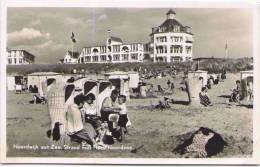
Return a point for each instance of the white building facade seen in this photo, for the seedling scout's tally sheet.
(115, 51)
(171, 41)
(19, 57)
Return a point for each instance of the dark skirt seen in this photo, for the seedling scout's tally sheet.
(93, 120)
(122, 120)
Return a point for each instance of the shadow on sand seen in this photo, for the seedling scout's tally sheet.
(246, 105)
(182, 102)
(225, 96)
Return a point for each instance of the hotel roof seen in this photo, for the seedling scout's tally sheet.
(8, 50)
(75, 55)
(170, 12)
(117, 39)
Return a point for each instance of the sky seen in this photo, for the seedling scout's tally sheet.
(45, 32)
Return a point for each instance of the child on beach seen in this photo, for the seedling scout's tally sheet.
(123, 118)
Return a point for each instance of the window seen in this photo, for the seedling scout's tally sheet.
(134, 47)
(176, 28)
(161, 39)
(116, 48)
(116, 57)
(95, 50)
(134, 56)
(125, 49)
(103, 49)
(188, 49)
(125, 56)
(176, 49)
(9, 61)
(95, 58)
(87, 59)
(103, 58)
(171, 49)
(20, 61)
(88, 50)
(161, 49)
(175, 59)
(14, 61)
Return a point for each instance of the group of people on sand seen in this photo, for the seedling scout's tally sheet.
(79, 119)
(236, 95)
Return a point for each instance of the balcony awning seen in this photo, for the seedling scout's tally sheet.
(189, 39)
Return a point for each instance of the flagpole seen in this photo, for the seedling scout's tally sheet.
(226, 50)
(72, 46)
(72, 49)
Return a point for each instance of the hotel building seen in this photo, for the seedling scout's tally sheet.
(171, 41)
(19, 57)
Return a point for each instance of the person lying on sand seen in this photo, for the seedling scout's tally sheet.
(37, 100)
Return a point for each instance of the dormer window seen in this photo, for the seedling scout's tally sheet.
(176, 28)
(95, 50)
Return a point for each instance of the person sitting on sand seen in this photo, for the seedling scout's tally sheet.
(236, 93)
(249, 86)
(204, 98)
(163, 104)
(169, 84)
(208, 84)
(160, 89)
(30, 88)
(75, 127)
(172, 87)
(90, 114)
(108, 104)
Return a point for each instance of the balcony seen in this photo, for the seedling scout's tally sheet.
(189, 40)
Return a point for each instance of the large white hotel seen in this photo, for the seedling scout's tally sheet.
(170, 42)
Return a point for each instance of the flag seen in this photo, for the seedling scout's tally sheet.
(226, 46)
(109, 32)
(73, 37)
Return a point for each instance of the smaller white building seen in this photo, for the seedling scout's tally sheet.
(114, 51)
(70, 58)
(19, 57)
